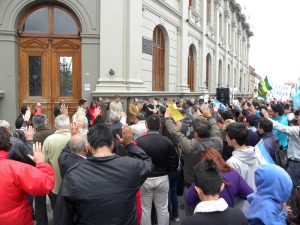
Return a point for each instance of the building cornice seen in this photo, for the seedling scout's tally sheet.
(240, 17)
(162, 15)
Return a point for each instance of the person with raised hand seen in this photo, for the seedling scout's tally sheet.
(102, 189)
(293, 153)
(18, 180)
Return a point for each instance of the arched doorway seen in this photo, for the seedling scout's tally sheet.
(49, 58)
(158, 60)
(191, 70)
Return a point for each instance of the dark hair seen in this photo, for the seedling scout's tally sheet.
(4, 139)
(255, 104)
(293, 122)
(146, 99)
(227, 115)
(278, 108)
(245, 112)
(266, 125)
(188, 103)
(82, 101)
(92, 103)
(202, 129)
(207, 176)
(287, 106)
(213, 154)
(236, 114)
(156, 99)
(237, 131)
(100, 135)
(162, 110)
(153, 122)
(23, 109)
(246, 103)
(39, 121)
(251, 120)
(19, 122)
(297, 112)
(263, 107)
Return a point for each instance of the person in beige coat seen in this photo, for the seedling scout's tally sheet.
(53, 146)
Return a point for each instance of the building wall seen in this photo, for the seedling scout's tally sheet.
(112, 38)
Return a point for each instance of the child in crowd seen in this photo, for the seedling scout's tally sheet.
(212, 209)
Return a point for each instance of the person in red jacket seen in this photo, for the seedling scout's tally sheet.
(18, 180)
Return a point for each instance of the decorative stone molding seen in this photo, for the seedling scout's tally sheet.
(226, 13)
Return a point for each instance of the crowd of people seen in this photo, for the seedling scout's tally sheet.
(234, 163)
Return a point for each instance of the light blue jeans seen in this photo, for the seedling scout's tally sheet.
(155, 189)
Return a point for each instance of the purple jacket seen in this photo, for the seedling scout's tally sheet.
(269, 141)
(237, 187)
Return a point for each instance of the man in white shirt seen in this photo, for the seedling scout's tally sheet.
(140, 125)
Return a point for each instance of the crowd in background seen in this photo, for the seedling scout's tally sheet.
(234, 163)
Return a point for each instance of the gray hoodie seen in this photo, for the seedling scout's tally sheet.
(245, 162)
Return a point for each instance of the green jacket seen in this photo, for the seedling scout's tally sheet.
(53, 146)
(193, 148)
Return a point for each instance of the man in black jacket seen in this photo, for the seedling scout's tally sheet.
(42, 132)
(164, 160)
(102, 189)
(74, 152)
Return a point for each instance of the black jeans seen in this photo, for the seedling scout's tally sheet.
(173, 201)
(294, 172)
(41, 217)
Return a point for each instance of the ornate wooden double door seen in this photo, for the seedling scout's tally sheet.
(49, 69)
(49, 57)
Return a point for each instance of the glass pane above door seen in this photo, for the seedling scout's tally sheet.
(66, 85)
(37, 22)
(35, 76)
(64, 23)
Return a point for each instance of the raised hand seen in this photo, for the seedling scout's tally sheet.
(38, 153)
(265, 113)
(168, 113)
(27, 115)
(96, 112)
(64, 109)
(73, 129)
(29, 132)
(217, 107)
(127, 135)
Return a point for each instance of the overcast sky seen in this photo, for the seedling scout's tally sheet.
(275, 46)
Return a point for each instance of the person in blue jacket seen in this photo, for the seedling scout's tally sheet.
(277, 113)
(274, 187)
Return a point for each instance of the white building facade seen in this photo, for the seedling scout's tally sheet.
(280, 92)
(131, 48)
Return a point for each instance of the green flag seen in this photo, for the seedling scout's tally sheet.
(263, 88)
